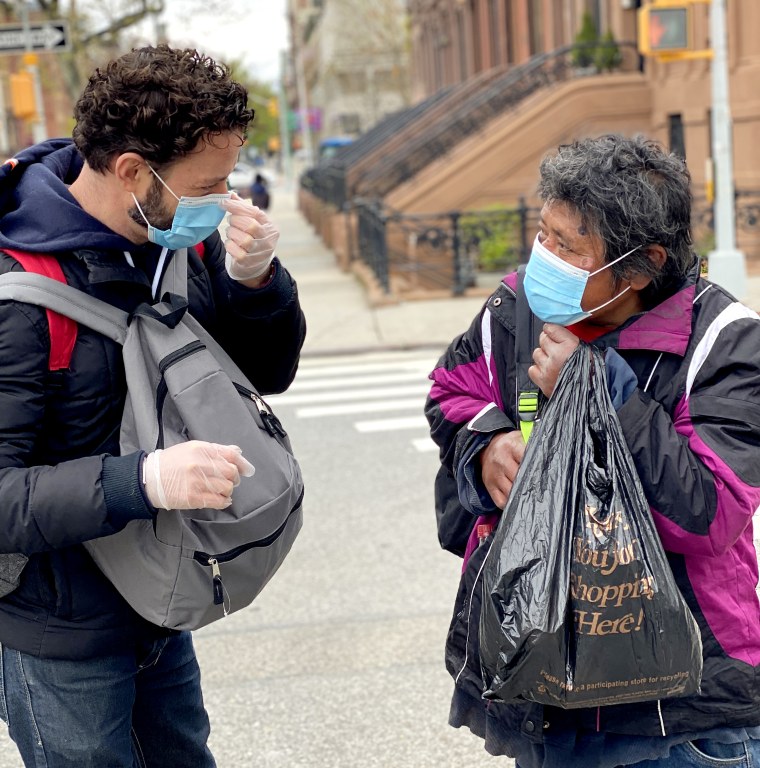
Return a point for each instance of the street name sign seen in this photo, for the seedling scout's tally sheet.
(52, 36)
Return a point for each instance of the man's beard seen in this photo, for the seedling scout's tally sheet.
(154, 209)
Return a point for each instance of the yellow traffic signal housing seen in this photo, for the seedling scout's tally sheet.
(23, 103)
(664, 29)
(273, 108)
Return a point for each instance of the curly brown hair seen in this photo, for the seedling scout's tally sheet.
(159, 102)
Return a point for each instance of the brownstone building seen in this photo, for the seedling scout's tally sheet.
(465, 41)
(444, 189)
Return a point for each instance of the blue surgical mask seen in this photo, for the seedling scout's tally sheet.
(555, 288)
(194, 220)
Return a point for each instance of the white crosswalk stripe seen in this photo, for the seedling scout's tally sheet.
(424, 445)
(340, 395)
(350, 382)
(389, 425)
(383, 391)
(373, 406)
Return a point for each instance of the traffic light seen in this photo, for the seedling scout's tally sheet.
(664, 29)
(273, 108)
(23, 103)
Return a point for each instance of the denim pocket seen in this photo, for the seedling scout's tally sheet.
(714, 754)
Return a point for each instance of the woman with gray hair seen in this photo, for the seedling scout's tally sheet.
(612, 265)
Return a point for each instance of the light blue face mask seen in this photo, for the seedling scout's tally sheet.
(555, 288)
(194, 220)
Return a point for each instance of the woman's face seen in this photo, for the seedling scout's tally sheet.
(562, 232)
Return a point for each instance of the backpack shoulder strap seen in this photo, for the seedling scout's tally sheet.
(527, 331)
(63, 330)
(175, 277)
(46, 292)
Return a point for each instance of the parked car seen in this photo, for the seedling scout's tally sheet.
(241, 178)
(329, 147)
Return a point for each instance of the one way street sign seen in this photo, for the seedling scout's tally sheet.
(46, 36)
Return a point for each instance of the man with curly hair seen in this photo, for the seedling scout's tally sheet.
(84, 681)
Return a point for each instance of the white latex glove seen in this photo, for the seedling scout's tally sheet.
(250, 239)
(194, 475)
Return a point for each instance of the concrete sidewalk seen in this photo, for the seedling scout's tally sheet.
(338, 313)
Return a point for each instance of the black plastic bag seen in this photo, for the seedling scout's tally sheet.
(579, 605)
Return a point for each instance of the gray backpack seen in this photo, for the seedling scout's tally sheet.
(187, 568)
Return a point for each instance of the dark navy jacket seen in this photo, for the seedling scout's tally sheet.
(693, 428)
(62, 480)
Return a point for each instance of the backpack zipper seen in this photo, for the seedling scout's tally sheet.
(213, 561)
(163, 390)
(271, 422)
(216, 582)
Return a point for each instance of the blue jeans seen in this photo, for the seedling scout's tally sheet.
(141, 709)
(706, 753)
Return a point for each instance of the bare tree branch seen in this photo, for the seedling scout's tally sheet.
(124, 22)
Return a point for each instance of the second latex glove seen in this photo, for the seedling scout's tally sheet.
(194, 475)
(250, 240)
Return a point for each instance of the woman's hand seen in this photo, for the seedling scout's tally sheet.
(555, 345)
(499, 462)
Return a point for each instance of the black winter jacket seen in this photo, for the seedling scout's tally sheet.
(62, 479)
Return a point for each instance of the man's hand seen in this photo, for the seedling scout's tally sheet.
(499, 462)
(250, 242)
(194, 475)
(555, 345)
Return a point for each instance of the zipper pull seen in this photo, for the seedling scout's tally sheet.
(216, 580)
(271, 422)
(268, 419)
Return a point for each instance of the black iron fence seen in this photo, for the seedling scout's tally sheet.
(747, 209)
(449, 251)
(441, 250)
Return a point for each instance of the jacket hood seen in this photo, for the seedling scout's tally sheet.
(37, 211)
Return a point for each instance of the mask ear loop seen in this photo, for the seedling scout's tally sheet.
(601, 269)
(160, 268)
(616, 297)
(169, 188)
(139, 208)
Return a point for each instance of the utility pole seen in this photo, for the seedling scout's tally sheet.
(287, 159)
(5, 144)
(39, 131)
(726, 264)
(665, 35)
(303, 105)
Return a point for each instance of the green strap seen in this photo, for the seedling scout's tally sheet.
(527, 407)
(527, 332)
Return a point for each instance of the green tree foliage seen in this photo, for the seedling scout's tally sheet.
(607, 55)
(492, 238)
(584, 50)
(261, 98)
